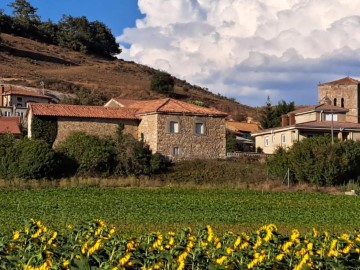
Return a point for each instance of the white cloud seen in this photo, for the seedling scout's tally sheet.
(249, 49)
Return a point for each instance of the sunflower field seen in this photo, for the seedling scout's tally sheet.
(96, 245)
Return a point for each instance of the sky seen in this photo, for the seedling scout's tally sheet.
(242, 49)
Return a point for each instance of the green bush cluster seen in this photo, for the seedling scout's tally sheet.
(316, 160)
(162, 82)
(80, 154)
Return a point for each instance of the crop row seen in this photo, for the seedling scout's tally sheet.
(95, 245)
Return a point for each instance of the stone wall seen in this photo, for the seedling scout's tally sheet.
(350, 94)
(148, 127)
(189, 145)
(93, 126)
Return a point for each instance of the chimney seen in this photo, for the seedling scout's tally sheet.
(292, 119)
(2, 91)
(284, 120)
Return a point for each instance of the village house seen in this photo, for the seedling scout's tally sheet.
(170, 127)
(331, 116)
(242, 132)
(14, 99)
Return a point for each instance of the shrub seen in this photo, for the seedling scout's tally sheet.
(317, 161)
(44, 128)
(94, 156)
(29, 159)
(162, 82)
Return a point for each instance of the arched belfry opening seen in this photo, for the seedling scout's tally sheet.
(335, 101)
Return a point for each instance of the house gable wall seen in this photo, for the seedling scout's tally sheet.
(186, 144)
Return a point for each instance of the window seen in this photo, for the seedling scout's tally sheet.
(176, 151)
(19, 105)
(328, 117)
(334, 101)
(7, 113)
(19, 99)
(266, 142)
(283, 138)
(174, 127)
(199, 128)
(342, 103)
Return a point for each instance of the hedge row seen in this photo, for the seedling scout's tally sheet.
(80, 154)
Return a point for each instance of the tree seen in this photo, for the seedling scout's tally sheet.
(102, 41)
(162, 82)
(267, 115)
(280, 109)
(271, 116)
(25, 13)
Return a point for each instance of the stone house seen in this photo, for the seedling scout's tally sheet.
(170, 127)
(330, 117)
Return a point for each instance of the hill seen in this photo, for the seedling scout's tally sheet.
(28, 62)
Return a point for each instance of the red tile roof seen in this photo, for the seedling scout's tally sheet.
(344, 81)
(241, 126)
(22, 91)
(10, 125)
(168, 105)
(58, 110)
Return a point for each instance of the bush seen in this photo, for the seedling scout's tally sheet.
(44, 128)
(93, 156)
(29, 159)
(317, 161)
(162, 82)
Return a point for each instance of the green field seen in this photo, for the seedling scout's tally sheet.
(139, 210)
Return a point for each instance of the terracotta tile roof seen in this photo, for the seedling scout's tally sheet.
(57, 110)
(10, 125)
(327, 125)
(241, 126)
(20, 90)
(344, 81)
(168, 105)
(320, 107)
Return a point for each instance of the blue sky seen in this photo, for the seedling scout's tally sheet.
(242, 49)
(116, 14)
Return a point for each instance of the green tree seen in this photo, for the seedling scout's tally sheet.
(25, 13)
(271, 115)
(282, 108)
(162, 82)
(267, 115)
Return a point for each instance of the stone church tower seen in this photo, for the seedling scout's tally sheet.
(343, 93)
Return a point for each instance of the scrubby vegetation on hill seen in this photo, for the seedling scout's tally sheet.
(76, 33)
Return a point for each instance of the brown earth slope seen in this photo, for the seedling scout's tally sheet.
(27, 62)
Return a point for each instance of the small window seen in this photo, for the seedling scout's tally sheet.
(199, 128)
(7, 113)
(328, 117)
(19, 99)
(174, 127)
(266, 142)
(283, 138)
(19, 105)
(342, 103)
(176, 151)
(334, 101)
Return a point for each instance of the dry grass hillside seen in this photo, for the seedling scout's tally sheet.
(28, 62)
